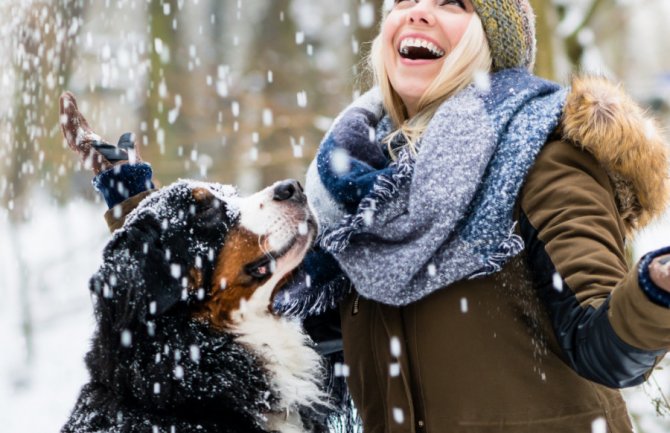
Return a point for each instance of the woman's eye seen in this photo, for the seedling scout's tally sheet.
(459, 3)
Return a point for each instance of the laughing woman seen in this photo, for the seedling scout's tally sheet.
(473, 228)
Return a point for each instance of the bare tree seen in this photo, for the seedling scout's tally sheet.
(41, 41)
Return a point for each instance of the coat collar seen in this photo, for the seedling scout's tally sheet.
(603, 120)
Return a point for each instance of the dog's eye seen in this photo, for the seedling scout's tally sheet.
(260, 269)
(260, 272)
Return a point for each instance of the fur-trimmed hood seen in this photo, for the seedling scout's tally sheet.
(603, 120)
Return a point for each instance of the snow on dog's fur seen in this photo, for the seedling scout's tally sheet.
(186, 339)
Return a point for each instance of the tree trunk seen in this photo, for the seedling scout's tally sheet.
(42, 65)
(166, 77)
(544, 65)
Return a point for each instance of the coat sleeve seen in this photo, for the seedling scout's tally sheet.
(609, 326)
(116, 216)
(123, 188)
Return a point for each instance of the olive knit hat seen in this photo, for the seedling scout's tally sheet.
(510, 30)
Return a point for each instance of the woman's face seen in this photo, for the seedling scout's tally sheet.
(417, 35)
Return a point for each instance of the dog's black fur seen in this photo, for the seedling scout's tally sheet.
(153, 368)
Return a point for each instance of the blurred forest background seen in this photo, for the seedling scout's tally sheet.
(235, 91)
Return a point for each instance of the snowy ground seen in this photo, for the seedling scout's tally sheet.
(61, 249)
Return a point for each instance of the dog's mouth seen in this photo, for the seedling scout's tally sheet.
(274, 230)
(281, 218)
(291, 240)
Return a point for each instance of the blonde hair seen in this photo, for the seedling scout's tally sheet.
(471, 55)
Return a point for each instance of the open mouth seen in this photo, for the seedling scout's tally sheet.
(419, 49)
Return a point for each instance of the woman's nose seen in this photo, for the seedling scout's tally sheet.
(421, 13)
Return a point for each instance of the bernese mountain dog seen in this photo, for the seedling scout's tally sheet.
(186, 339)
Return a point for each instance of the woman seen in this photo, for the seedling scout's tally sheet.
(480, 213)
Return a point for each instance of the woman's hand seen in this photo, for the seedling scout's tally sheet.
(659, 271)
(95, 153)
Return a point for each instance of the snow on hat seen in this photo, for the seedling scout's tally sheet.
(510, 30)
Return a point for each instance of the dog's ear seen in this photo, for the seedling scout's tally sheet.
(139, 277)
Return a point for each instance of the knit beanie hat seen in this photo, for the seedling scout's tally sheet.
(510, 30)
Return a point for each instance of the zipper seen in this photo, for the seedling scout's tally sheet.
(354, 309)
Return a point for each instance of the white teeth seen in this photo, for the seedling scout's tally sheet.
(416, 42)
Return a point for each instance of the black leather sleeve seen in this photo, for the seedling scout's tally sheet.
(590, 345)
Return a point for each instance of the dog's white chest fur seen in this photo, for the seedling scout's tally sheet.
(294, 367)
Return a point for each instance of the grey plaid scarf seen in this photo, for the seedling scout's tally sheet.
(403, 229)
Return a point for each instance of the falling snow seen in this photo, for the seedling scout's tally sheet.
(341, 370)
(395, 347)
(599, 425)
(482, 81)
(194, 352)
(557, 282)
(302, 99)
(126, 338)
(223, 94)
(340, 161)
(398, 415)
(366, 15)
(464, 305)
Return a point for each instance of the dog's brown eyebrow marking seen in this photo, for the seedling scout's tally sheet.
(202, 195)
(230, 283)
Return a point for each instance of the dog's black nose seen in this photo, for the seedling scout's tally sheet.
(289, 190)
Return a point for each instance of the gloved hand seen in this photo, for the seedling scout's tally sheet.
(96, 154)
(659, 271)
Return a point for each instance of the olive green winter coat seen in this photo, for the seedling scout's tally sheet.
(507, 353)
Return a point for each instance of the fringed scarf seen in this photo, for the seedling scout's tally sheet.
(403, 229)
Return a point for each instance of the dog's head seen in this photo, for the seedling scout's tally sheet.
(198, 248)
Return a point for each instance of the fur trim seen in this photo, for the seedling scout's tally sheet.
(603, 120)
